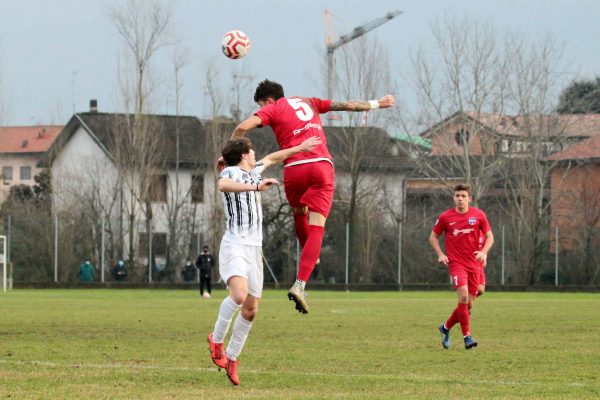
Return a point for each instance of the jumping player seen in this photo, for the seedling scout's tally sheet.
(240, 254)
(462, 226)
(308, 177)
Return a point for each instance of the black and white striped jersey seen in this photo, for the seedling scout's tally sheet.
(243, 210)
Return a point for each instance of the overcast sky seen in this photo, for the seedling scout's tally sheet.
(56, 55)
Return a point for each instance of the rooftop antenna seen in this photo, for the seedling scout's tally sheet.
(73, 81)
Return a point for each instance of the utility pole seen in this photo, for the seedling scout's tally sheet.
(356, 32)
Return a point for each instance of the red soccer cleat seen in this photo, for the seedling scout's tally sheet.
(232, 371)
(216, 352)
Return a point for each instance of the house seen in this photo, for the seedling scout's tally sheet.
(485, 138)
(21, 148)
(495, 134)
(139, 197)
(575, 191)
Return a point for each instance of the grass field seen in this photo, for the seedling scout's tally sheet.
(66, 344)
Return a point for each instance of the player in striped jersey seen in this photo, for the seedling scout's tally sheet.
(240, 254)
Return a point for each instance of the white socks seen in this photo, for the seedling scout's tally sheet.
(302, 284)
(241, 329)
(226, 312)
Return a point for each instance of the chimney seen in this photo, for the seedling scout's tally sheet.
(93, 106)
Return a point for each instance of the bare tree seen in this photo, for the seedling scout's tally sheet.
(220, 127)
(477, 78)
(362, 71)
(217, 135)
(532, 84)
(181, 212)
(466, 72)
(145, 28)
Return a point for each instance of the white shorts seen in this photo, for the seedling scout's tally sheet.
(245, 261)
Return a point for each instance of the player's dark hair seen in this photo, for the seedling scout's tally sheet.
(267, 89)
(234, 149)
(463, 187)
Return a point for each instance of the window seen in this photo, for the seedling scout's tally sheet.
(25, 173)
(159, 244)
(7, 174)
(197, 188)
(157, 189)
(462, 137)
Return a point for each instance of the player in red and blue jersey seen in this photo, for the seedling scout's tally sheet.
(308, 177)
(462, 226)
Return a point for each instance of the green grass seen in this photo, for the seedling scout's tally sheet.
(139, 344)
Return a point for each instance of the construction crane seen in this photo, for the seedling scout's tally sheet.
(356, 32)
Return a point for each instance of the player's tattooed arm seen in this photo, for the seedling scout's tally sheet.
(353, 105)
(386, 101)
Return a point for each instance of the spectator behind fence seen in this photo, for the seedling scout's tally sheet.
(205, 263)
(86, 271)
(188, 271)
(119, 272)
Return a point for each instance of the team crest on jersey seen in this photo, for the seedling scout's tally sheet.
(472, 220)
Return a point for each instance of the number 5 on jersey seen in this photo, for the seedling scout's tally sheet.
(303, 111)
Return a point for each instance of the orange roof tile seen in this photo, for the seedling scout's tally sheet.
(589, 148)
(28, 139)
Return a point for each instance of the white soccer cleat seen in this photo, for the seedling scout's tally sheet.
(297, 295)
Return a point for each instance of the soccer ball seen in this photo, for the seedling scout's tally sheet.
(235, 44)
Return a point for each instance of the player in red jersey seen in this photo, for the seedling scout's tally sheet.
(462, 226)
(309, 177)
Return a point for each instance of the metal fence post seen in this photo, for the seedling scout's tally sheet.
(199, 252)
(8, 239)
(556, 255)
(150, 253)
(347, 249)
(399, 253)
(55, 249)
(102, 252)
(502, 277)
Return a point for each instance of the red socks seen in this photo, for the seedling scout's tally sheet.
(310, 251)
(464, 318)
(460, 314)
(453, 320)
(301, 225)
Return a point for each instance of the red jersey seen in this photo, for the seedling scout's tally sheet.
(294, 120)
(462, 234)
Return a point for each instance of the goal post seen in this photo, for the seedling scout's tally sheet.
(3, 261)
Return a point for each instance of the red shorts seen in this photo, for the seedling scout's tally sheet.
(465, 276)
(311, 185)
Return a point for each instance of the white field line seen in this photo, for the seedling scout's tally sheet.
(403, 377)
